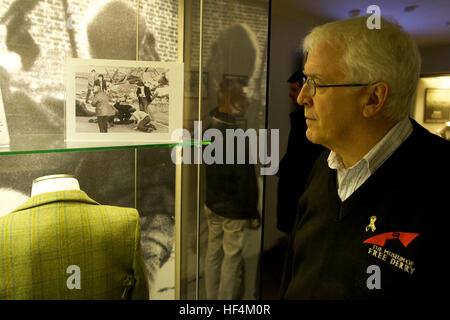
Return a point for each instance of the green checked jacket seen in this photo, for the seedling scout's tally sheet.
(64, 245)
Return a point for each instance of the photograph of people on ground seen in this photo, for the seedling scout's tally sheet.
(124, 99)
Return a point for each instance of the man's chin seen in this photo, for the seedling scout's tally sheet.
(311, 137)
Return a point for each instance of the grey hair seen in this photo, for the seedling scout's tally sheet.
(387, 54)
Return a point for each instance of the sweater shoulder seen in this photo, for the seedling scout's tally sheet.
(425, 150)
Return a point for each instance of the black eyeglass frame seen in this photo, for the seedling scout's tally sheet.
(315, 85)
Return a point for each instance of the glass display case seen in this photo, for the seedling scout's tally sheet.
(217, 42)
(225, 48)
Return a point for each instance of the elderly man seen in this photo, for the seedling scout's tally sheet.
(372, 219)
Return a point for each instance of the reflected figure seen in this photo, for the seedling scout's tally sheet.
(231, 204)
(231, 189)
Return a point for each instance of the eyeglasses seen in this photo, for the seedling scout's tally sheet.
(312, 85)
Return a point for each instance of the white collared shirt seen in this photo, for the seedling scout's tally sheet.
(348, 180)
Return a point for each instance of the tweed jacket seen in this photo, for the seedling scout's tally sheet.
(52, 235)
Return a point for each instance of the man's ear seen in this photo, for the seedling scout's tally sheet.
(377, 95)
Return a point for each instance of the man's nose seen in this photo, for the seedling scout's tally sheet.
(302, 97)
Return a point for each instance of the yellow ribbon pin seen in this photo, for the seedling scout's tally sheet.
(371, 225)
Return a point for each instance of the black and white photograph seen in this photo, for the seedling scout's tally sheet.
(437, 105)
(117, 100)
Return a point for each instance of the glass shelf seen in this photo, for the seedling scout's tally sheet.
(51, 143)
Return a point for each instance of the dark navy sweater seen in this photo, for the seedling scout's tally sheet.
(332, 255)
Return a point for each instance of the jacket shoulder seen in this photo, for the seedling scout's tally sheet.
(130, 215)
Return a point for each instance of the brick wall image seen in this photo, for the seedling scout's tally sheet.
(219, 16)
(49, 24)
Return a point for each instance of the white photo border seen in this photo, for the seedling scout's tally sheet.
(175, 76)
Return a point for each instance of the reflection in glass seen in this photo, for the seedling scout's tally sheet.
(231, 200)
(234, 42)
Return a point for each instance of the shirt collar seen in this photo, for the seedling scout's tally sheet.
(381, 151)
(335, 161)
